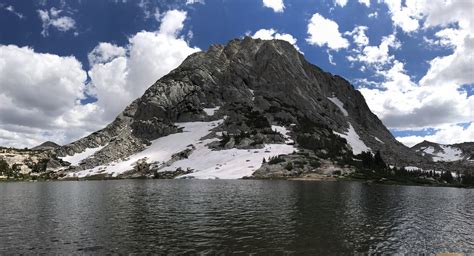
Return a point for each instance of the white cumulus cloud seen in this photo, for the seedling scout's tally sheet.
(41, 93)
(405, 16)
(372, 55)
(341, 3)
(172, 22)
(457, 68)
(358, 35)
(322, 31)
(36, 89)
(438, 100)
(403, 104)
(276, 5)
(449, 134)
(105, 52)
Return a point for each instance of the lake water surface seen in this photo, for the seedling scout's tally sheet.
(240, 216)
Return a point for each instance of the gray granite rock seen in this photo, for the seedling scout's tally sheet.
(255, 83)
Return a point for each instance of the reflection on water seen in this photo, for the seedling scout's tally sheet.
(190, 216)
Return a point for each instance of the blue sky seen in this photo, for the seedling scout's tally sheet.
(412, 59)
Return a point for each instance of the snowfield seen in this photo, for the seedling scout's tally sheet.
(353, 139)
(447, 154)
(211, 111)
(283, 131)
(207, 164)
(339, 104)
(78, 157)
(160, 149)
(227, 164)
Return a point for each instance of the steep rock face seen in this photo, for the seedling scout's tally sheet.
(252, 77)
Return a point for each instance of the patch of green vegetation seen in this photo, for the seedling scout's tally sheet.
(299, 163)
(12, 172)
(225, 139)
(467, 180)
(257, 120)
(320, 139)
(372, 167)
(40, 166)
(276, 160)
(3, 166)
(242, 135)
(314, 163)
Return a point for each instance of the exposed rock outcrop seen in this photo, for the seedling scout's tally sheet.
(254, 84)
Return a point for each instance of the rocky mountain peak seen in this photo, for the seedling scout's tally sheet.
(426, 143)
(254, 84)
(48, 145)
(463, 153)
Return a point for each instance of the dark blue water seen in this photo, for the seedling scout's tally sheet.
(223, 217)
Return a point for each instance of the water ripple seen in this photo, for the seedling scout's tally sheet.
(242, 217)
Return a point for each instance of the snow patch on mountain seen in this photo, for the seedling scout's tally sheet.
(78, 157)
(283, 131)
(227, 164)
(160, 149)
(447, 153)
(253, 94)
(211, 111)
(339, 104)
(353, 139)
(206, 163)
(379, 140)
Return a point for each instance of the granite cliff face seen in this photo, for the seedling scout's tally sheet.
(256, 88)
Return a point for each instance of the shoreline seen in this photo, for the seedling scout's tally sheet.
(315, 177)
(306, 178)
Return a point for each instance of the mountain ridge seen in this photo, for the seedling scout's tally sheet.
(237, 104)
(266, 75)
(446, 152)
(47, 145)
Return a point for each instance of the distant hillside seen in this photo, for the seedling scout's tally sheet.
(48, 145)
(447, 153)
